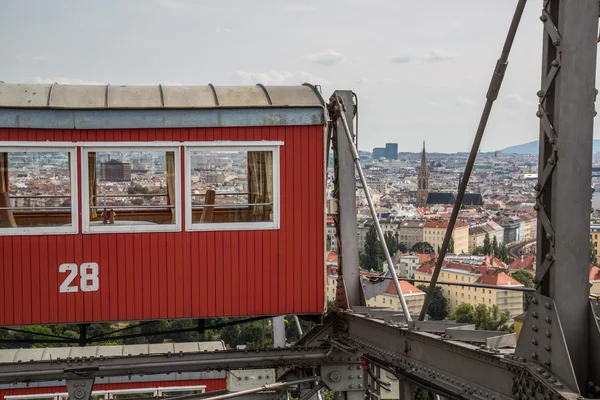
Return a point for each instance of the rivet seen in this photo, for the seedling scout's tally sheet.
(534, 328)
(539, 114)
(556, 42)
(540, 93)
(534, 342)
(534, 314)
(548, 320)
(548, 305)
(534, 300)
(551, 160)
(534, 356)
(543, 18)
(555, 63)
(547, 347)
(548, 256)
(548, 334)
(360, 385)
(351, 386)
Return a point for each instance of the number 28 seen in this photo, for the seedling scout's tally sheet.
(88, 281)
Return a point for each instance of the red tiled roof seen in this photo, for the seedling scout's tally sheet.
(594, 273)
(497, 278)
(332, 257)
(424, 257)
(406, 287)
(523, 262)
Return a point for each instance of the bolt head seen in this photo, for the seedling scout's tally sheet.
(543, 18)
(540, 93)
(539, 114)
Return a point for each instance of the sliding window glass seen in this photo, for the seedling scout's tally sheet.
(131, 189)
(231, 188)
(38, 190)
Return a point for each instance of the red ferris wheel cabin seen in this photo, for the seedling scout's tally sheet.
(150, 202)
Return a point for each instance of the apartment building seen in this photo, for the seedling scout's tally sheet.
(595, 237)
(411, 232)
(458, 272)
(435, 230)
(414, 298)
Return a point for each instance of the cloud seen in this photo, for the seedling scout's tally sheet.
(401, 59)
(363, 80)
(328, 58)
(46, 59)
(464, 101)
(433, 56)
(437, 56)
(279, 78)
(516, 101)
(223, 31)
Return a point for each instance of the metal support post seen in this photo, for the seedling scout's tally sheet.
(349, 289)
(278, 332)
(341, 105)
(407, 390)
(566, 112)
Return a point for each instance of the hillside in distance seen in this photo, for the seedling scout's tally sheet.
(533, 148)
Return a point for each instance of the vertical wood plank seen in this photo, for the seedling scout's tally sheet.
(138, 283)
(212, 274)
(162, 282)
(130, 274)
(8, 284)
(33, 249)
(155, 276)
(54, 280)
(113, 268)
(147, 276)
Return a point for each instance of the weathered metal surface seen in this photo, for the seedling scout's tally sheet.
(58, 353)
(566, 112)
(159, 363)
(349, 291)
(542, 331)
(79, 97)
(141, 119)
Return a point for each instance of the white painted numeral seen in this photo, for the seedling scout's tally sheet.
(88, 281)
(66, 287)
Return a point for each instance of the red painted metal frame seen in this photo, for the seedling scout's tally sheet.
(211, 386)
(145, 276)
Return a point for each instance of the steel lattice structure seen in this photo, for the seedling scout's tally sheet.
(559, 348)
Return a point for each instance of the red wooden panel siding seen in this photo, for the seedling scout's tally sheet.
(145, 276)
(211, 386)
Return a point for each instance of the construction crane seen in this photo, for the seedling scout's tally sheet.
(558, 353)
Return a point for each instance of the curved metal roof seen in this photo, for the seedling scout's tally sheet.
(95, 97)
(46, 354)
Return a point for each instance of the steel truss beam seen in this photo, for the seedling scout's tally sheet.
(450, 368)
(91, 367)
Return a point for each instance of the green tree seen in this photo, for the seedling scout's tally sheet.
(422, 394)
(391, 243)
(402, 247)
(495, 251)
(593, 252)
(503, 254)
(372, 258)
(422, 247)
(483, 317)
(478, 251)
(526, 279)
(438, 306)
(451, 245)
(487, 245)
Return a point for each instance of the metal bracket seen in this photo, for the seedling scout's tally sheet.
(542, 341)
(80, 389)
(347, 376)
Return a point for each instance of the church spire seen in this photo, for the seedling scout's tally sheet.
(423, 181)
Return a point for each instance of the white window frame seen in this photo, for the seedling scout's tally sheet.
(272, 146)
(128, 146)
(47, 147)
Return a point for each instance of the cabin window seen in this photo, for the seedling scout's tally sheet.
(38, 190)
(232, 187)
(131, 189)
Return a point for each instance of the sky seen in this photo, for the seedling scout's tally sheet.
(420, 68)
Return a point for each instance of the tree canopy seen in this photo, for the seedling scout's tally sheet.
(422, 247)
(438, 306)
(484, 318)
(526, 279)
